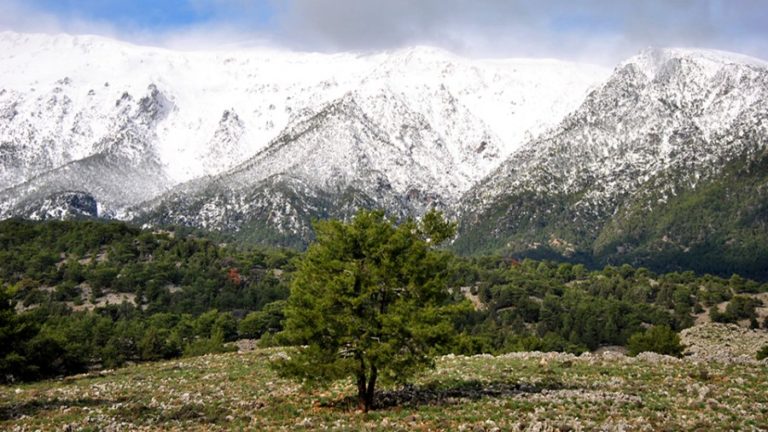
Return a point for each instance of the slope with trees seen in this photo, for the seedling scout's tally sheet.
(185, 294)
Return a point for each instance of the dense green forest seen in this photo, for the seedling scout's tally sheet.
(98, 293)
(82, 294)
(673, 222)
(544, 305)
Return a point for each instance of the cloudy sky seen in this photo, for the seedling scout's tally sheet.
(593, 30)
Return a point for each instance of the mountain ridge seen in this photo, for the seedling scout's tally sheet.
(531, 156)
(634, 135)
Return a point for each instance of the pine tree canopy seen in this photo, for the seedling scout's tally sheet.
(369, 301)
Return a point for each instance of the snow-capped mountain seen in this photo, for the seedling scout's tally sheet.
(73, 101)
(664, 158)
(343, 152)
(123, 169)
(666, 124)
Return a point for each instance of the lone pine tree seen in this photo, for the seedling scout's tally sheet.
(369, 301)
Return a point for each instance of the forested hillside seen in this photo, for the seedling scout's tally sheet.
(549, 306)
(84, 294)
(91, 293)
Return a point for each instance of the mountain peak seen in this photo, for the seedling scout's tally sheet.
(422, 51)
(652, 60)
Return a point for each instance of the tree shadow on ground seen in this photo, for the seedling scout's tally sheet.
(442, 394)
(189, 412)
(11, 411)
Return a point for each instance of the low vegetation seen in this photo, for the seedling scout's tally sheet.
(518, 391)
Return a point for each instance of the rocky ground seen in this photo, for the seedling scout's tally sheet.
(517, 392)
(723, 342)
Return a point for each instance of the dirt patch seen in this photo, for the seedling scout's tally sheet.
(478, 304)
(107, 299)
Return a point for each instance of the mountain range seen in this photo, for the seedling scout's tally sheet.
(660, 161)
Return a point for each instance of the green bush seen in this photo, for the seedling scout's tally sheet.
(268, 320)
(763, 353)
(658, 339)
(213, 344)
(742, 307)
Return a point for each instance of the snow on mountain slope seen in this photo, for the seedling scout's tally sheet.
(342, 153)
(666, 120)
(88, 75)
(123, 170)
(516, 98)
(380, 145)
(528, 153)
(60, 97)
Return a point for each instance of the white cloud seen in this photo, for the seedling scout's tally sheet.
(17, 16)
(595, 30)
(601, 29)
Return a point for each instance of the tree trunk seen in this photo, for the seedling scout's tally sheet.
(366, 392)
(371, 387)
(362, 400)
